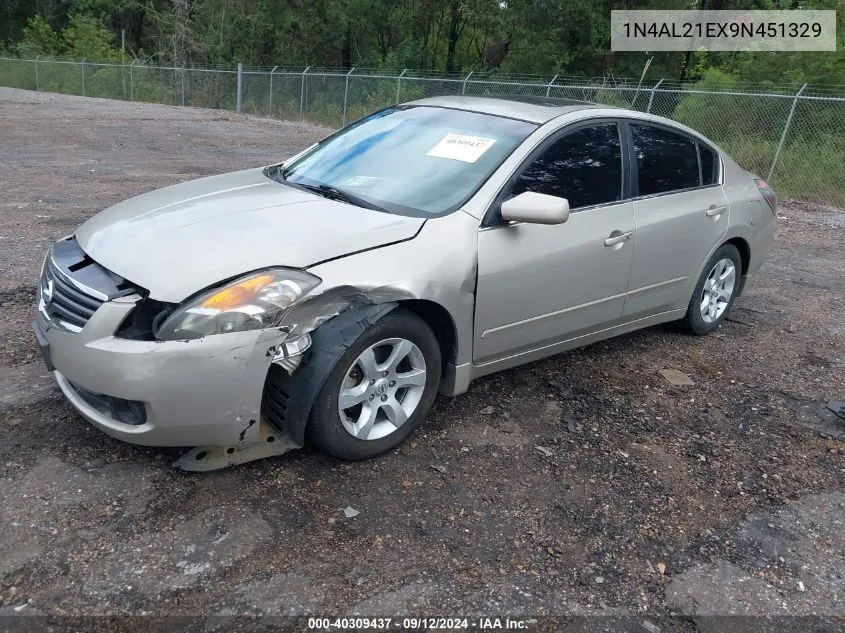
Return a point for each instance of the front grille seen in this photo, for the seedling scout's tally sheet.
(73, 286)
(67, 304)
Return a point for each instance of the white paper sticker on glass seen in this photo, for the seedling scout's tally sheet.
(461, 147)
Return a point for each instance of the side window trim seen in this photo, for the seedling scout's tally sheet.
(717, 164)
(635, 185)
(490, 217)
(632, 159)
(698, 158)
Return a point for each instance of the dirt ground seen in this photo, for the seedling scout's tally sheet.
(585, 485)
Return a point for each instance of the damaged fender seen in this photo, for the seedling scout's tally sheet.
(328, 344)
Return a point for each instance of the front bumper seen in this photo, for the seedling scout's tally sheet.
(203, 392)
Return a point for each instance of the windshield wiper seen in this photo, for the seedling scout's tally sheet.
(333, 193)
(279, 173)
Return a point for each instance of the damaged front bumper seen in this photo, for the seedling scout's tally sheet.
(203, 392)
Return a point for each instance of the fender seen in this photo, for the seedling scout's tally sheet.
(288, 398)
(734, 231)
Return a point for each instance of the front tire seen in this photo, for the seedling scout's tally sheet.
(379, 391)
(714, 292)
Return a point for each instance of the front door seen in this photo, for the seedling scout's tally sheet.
(541, 284)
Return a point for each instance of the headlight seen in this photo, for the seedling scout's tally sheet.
(252, 302)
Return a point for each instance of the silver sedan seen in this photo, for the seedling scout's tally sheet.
(333, 295)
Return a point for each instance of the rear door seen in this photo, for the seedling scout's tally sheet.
(681, 214)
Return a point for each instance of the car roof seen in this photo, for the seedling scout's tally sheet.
(534, 109)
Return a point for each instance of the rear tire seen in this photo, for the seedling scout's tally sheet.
(389, 378)
(714, 292)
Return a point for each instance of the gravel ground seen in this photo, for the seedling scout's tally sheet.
(667, 504)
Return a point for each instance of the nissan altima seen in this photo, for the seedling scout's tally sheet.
(332, 296)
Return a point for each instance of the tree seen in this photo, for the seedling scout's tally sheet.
(87, 38)
(40, 39)
(542, 37)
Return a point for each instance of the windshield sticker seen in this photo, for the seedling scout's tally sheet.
(461, 147)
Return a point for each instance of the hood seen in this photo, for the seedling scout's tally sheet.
(178, 240)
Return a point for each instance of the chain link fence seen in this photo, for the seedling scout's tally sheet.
(794, 137)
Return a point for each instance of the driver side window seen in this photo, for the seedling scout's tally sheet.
(584, 166)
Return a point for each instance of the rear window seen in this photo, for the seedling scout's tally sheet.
(666, 161)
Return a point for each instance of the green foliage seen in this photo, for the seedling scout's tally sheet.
(40, 39)
(544, 37)
(86, 37)
(705, 112)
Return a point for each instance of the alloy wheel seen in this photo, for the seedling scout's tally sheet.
(382, 389)
(718, 290)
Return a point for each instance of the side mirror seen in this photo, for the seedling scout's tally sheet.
(536, 208)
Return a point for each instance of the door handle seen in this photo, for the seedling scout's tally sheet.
(613, 240)
(715, 211)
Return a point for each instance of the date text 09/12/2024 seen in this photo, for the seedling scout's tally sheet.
(414, 624)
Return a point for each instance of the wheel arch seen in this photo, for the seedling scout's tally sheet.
(330, 339)
(738, 242)
(441, 323)
(287, 397)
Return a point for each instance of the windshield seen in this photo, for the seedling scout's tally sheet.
(420, 161)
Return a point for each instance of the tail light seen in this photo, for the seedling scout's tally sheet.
(768, 193)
